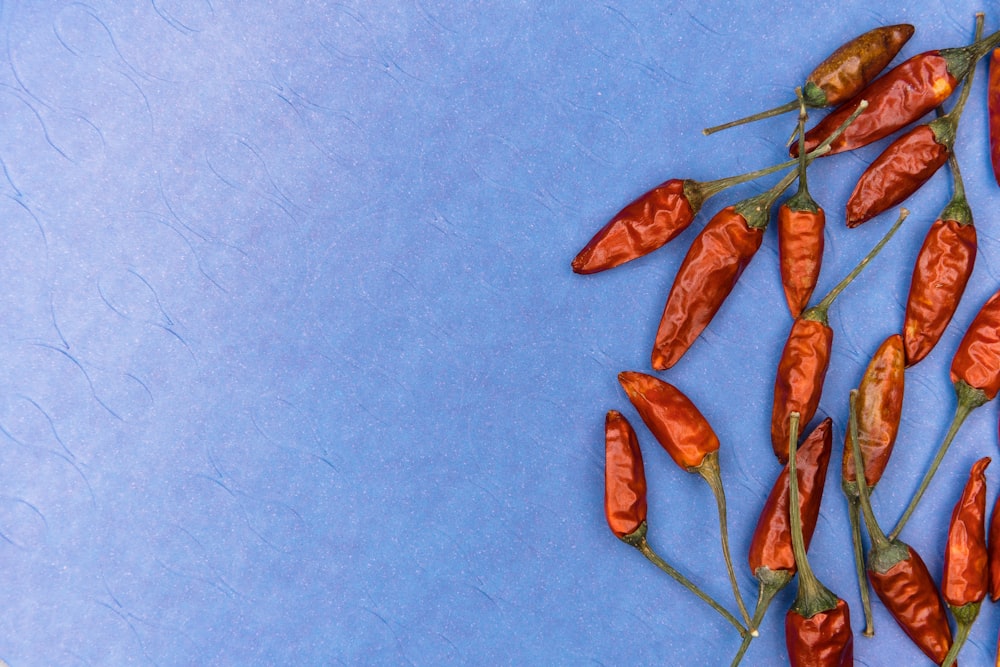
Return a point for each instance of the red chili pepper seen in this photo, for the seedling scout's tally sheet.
(940, 274)
(844, 73)
(805, 358)
(993, 111)
(713, 264)
(908, 162)
(901, 96)
(993, 552)
(966, 576)
(689, 439)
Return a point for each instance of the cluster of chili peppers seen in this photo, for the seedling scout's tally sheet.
(868, 108)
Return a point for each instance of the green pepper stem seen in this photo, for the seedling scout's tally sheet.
(770, 113)
(638, 540)
(965, 616)
(945, 127)
(854, 514)
(769, 587)
(802, 200)
(818, 312)
(710, 472)
(969, 399)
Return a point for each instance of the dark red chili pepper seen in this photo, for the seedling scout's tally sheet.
(687, 436)
(818, 625)
(993, 552)
(898, 574)
(975, 373)
(711, 267)
(908, 162)
(966, 576)
(802, 368)
(625, 501)
(940, 274)
(880, 401)
(993, 111)
(901, 96)
(771, 558)
(844, 73)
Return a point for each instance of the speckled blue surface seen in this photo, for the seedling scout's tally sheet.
(295, 370)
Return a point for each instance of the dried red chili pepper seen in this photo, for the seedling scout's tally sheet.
(800, 237)
(993, 552)
(687, 436)
(966, 577)
(880, 401)
(993, 111)
(711, 267)
(898, 575)
(625, 504)
(654, 219)
(909, 161)
(940, 274)
(844, 72)
(975, 374)
(771, 558)
(901, 96)
(802, 368)
(818, 625)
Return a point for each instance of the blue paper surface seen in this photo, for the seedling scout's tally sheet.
(296, 371)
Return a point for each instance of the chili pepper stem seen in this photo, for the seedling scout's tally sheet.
(854, 514)
(944, 127)
(969, 398)
(818, 312)
(638, 540)
(770, 113)
(710, 472)
(771, 583)
(965, 616)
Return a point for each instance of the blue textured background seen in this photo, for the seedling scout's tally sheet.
(295, 371)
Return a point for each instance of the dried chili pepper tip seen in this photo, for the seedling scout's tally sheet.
(993, 112)
(624, 477)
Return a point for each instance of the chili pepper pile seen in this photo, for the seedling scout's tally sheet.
(934, 609)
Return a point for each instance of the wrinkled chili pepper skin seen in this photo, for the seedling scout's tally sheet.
(771, 545)
(799, 381)
(852, 66)
(713, 264)
(905, 165)
(646, 224)
(624, 477)
(908, 592)
(993, 552)
(940, 275)
(672, 418)
(966, 574)
(825, 640)
(896, 99)
(993, 111)
(879, 408)
(977, 360)
(800, 254)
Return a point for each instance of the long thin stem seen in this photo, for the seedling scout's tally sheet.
(854, 513)
(956, 111)
(776, 111)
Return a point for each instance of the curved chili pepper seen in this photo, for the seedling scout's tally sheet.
(909, 161)
(975, 374)
(940, 274)
(901, 96)
(689, 439)
(805, 358)
(880, 401)
(993, 111)
(713, 264)
(625, 501)
(993, 552)
(844, 72)
(771, 558)
(898, 575)
(966, 576)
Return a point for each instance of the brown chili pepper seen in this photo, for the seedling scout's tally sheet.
(805, 358)
(901, 96)
(993, 111)
(940, 274)
(843, 74)
(800, 238)
(771, 558)
(818, 625)
(975, 374)
(898, 574)
(909, 161)
(711, 267)
(687, 436)
(880, 401)
(966, 576)
(625, 501)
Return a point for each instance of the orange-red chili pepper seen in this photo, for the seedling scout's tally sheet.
(844, 72)
(805, 358)
(966, 577)
(901, 96)
(993, 111)
(940, 274)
